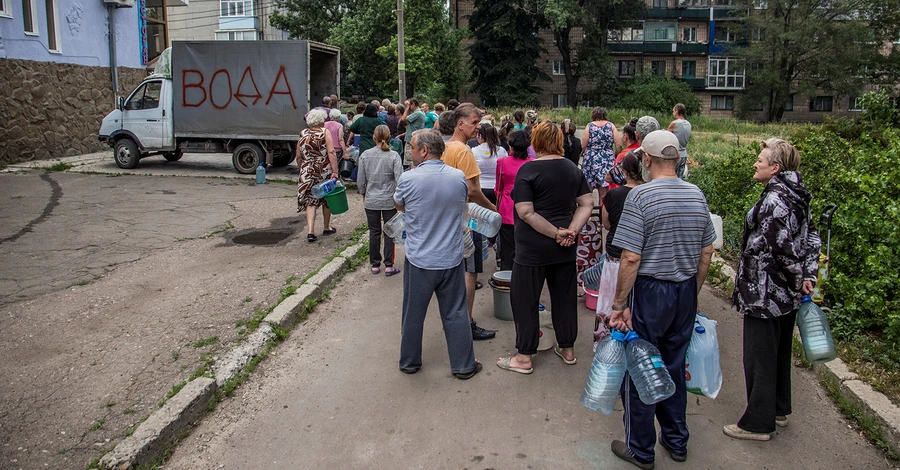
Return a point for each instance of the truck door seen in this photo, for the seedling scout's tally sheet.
(143, 114)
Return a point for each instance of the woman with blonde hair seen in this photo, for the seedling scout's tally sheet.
(379, 169)
(546, 194)
(317, 162)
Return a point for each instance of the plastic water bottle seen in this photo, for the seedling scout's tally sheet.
(324, 188)
(468, 244)
(606, 375)
(484, 248)
(591, 276)
(481, 220)
(647, 370)
(395, 228)
(818, 345)
(261, 173)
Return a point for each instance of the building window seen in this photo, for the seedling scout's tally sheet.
(856, 104)
(629, 33)
(820, 103)
(236, 8)
(5, 9)
(558, 68)
(559, 101)
(725, 72)
(789, 106)
(626, 68)
(249, 35)
(52, 26)
(688, 69)
(728, 33)
(157, 32)
(29, 16)
(689, 35)
(659, 34)
(725, 102)
(658, 67)
(660, 3)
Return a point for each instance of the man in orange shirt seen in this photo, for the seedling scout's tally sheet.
(458, 155)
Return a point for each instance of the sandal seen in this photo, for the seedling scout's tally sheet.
(311, 237)
(569, 362)
(504, 364)
(376, 269)
(478, 285)
(391, 270)
(330, 231)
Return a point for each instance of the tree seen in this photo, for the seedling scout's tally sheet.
(309, 19)
(804, 47)
(504, 52)
(372, 22)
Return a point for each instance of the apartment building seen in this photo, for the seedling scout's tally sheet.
(223, 20)
(684, 40)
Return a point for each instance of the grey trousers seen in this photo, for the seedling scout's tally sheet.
(419, 285)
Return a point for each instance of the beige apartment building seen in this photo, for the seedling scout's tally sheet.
(223, 20)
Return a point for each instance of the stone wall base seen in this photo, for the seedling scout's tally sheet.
(52, 110)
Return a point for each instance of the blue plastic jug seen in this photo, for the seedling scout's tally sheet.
(322, 189)
(261, 173)
(818, 344)
(647, 370)
(606, 375)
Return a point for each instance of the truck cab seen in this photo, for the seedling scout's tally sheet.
(142, 123)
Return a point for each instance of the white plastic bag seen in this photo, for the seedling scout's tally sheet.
(609, 277)
(701, 363)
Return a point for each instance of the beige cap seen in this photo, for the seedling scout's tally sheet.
(657, 141)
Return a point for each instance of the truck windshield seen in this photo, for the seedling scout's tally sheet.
(145, 97)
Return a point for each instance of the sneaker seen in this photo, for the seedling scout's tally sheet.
(623, 452)
(479, 333)
(732, 430)
(781, 421)
(675, 457)
(470, 374)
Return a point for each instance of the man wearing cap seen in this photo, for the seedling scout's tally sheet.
(666, 235)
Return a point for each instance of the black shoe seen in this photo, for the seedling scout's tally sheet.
(479, 333)
(675, 457)
(623, 452)
(469, 375)
(409, 370)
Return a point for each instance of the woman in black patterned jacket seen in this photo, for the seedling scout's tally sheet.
(779, 262)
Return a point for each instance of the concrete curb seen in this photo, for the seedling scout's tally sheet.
(874, 405)
(163, 427)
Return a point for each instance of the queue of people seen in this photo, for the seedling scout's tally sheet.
(658, 248)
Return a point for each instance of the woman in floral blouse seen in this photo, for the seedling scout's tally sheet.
(779, 262)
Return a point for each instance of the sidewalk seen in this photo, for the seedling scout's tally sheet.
(332, 397)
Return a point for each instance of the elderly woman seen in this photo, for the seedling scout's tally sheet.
(779, 262)
(317, 162)
(546, 193)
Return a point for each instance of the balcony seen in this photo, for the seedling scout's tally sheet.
(239, 22)
(657, 48)
(693, 48)
(677, 13)
(695, 83)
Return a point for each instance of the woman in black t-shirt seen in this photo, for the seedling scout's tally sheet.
(552, 203)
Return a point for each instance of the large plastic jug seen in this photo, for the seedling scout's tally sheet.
(818, 345)
(702, 372)
(546, 335)
(606, 375)
(590, 278)
(468, 244)
(717, 225)
(395, 228)
(481, 220)
(261, 173)
(322, 189)
(647, 370)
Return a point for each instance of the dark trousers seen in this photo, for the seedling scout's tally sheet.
(767, 371)
(526, 285)
(663, 313)
(449, 285)
(507, 247)
(374, 218)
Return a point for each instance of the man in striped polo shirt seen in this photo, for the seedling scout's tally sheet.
(666, 235)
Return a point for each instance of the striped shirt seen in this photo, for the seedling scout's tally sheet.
(667, 222)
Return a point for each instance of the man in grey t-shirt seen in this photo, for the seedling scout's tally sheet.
(414, 119)
(666, 235)
(681, 127)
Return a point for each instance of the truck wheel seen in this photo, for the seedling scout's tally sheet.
(127, 154)
(246, 158)
(282, 159)
(173, 156)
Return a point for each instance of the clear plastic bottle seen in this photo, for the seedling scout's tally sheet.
(590, 278)
(485, 252)
(261, 173)
(606, 375)
(481, 220)
(395, 228)
(324, 188)
(468, 244)
(818, 344)
(647, 370)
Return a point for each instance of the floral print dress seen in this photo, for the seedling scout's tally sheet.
(312, 160)
(599, 154)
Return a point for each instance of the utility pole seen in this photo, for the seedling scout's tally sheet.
(401, 65)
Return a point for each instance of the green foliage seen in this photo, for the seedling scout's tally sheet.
(309, 19)
(655, 93)
(503, 55)
(370, 23)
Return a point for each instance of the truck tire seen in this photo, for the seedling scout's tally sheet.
(127, 154)
(246, 158)
(282, 159)
(173, 156)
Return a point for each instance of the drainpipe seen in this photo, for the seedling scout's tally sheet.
(113, 72)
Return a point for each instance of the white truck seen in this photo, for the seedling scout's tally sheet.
(247, 98)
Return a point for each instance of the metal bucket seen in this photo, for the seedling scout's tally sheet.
(502, 306)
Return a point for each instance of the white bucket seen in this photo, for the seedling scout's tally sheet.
(547, 338)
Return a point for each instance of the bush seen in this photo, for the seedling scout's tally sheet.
(655, 93)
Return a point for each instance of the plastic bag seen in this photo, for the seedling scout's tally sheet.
(353, 153)
(609, 277)
(701, 364)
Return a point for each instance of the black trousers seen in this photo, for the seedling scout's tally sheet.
(526, 285)
(767, 371)
(507, 247)
(374, 218)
